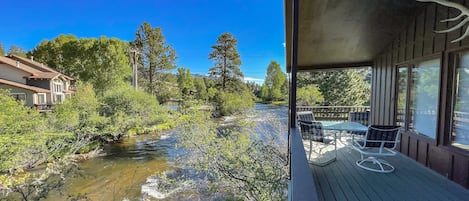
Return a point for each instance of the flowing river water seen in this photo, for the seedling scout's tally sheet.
(125, 171)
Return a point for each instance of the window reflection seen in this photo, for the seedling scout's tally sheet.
(401, 96)
(424, 97)
(460, 134)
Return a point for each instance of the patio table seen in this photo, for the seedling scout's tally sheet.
(337, 126)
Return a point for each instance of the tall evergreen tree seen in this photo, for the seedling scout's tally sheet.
(157, 57)
(226, 63)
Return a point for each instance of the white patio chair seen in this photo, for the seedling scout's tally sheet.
(378, 141)
(313, 131)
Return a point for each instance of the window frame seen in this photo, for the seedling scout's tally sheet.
(408, 67)
(411, 64)
(15, 94)
(454, 58)
(44, 99)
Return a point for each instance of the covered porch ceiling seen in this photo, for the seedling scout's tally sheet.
(344, 33)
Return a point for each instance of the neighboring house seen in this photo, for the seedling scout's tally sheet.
(37, 85)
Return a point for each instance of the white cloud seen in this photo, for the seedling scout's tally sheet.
(253, 79)
(284, 45)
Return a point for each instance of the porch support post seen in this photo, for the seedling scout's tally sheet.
(294, 66)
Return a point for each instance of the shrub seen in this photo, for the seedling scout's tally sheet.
(235, 103)
(131, 108)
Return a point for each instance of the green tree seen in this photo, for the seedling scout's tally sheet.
(185, 81)
(226, 63)
(339, 87)
(264, 94)
(64, 53)
(103, 62)
(17, 118)
(274, 82)
(309, 95)
(157, 58)
(16, 50)
(107, 64)
(202, 93)
(2, 50)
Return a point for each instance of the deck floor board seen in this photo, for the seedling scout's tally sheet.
(343, 180)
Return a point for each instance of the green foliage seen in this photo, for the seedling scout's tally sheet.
(157, 58)
(76, 113)
(272, 89)
(237, 162)
(309, 95)
(339, 87)
(235, 103)
(128, 109)
(2, 50)
(103, 61)
(16, 50)
(16, 118)
(202, 93)
(185, 82)
(109, 63)
(226, 63)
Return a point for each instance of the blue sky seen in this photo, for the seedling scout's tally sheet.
(191, 26)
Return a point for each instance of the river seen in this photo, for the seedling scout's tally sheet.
(127, 166)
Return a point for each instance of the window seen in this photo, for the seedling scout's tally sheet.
(19, 96)
(424, 95)
(59, 98)
(402, 77)
(41, 99)
(58, 86)
(460, 121)
(417, 97)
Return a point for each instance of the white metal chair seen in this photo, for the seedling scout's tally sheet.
(378, 141)
(313, 131)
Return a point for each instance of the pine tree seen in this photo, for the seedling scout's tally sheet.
(226, 63)
(157, 57)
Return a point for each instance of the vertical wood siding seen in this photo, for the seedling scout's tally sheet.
(415, 41)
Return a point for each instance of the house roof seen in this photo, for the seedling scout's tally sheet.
(344, 33)
(36, 69)
(22, 86)
(21, 66)
(44, 75)
(37, 65)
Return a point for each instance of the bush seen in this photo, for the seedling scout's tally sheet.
(309, 95)
(131, 109)
(16, 118)
(235, 103)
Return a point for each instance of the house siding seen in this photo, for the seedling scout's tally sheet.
(12, 74)
(29, 94)
(417, 41)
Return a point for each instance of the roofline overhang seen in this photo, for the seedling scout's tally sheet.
(335, 66)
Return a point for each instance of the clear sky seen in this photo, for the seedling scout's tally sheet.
(191, 26)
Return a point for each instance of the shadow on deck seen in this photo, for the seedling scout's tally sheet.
(343, 180)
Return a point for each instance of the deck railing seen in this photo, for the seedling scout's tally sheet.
(338, 113)
(44, 107)
(301, 185)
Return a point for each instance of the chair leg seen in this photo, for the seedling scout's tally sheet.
(310, 149)
(383, 166)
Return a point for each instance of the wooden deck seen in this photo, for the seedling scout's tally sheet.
(343, 180)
